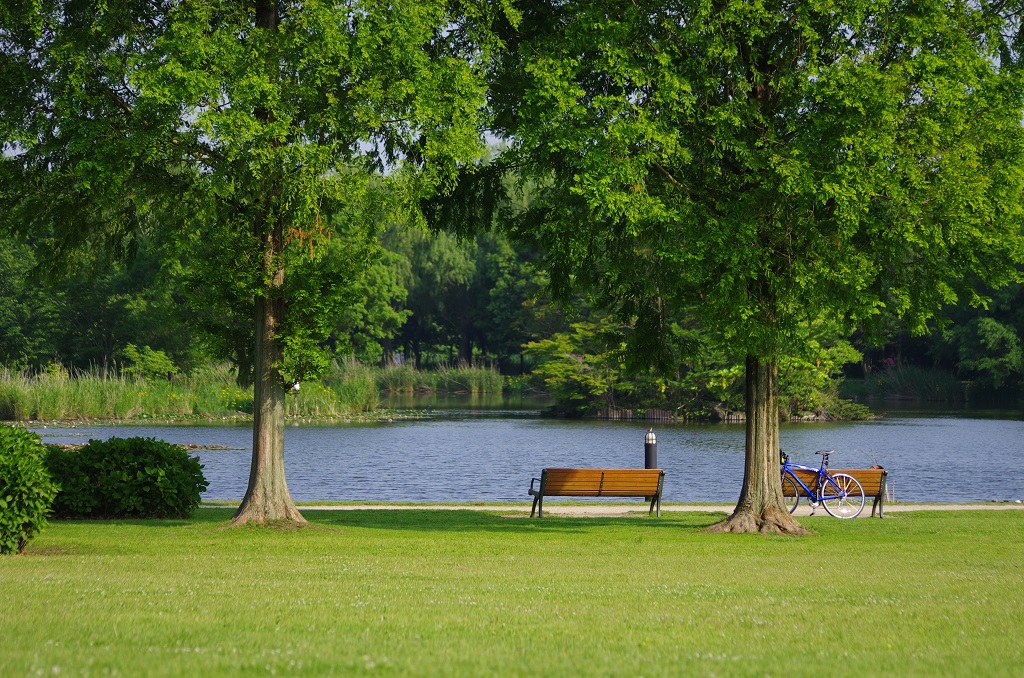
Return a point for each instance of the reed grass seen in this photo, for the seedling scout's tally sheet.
(915, 383)
(463, 379)
(349, 387)
(399, 379)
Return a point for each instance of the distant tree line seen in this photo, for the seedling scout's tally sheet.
(434, 298)
(425, 299)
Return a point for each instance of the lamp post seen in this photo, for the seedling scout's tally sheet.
(650, 449)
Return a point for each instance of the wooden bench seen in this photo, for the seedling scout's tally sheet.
(598, 482)
(871, 479)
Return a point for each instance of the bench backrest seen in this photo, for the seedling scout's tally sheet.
(871, 479)
(598, 482)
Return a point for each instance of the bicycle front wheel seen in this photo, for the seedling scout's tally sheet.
(842, 496)
(789, 487)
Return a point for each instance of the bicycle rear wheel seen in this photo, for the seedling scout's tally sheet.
(843, 497)
(789, 487)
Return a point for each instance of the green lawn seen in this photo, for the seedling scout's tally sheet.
(417, 592)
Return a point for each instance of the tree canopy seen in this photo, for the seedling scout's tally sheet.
(238, 129)
(772, 168)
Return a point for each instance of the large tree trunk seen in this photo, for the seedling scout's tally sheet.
(761, 507)
(267, 497)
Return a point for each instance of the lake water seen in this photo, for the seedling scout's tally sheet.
(931, 455)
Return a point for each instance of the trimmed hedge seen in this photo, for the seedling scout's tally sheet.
(26, 488)
(126, 478)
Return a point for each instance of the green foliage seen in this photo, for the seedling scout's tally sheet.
(348, 387)
(26, 488)
(588, 368)
(753, 165)
(80, 318)
(127, 478)
(30, 315)
(147, 363)
(374, 314)
(988, 350)
(579, 368)
(237, 399)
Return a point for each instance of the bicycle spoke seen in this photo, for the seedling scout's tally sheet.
(844, 496)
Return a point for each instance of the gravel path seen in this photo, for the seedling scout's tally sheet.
(595, 509)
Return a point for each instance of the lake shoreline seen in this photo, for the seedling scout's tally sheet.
(603, 510)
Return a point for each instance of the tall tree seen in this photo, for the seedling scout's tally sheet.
(772, 166)
(241, 126)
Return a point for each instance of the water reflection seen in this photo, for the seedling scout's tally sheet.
(463, 456)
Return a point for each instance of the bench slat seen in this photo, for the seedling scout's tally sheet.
(584, 482)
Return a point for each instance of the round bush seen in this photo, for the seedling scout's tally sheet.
(126, 478)
(26, 488)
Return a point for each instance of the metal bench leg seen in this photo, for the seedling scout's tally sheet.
(656, 499)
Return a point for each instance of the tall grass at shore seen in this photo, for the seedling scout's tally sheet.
(459, 378)
(106, 394)
(908, 382)
(398, 379)
(347, 388)
(466, 379)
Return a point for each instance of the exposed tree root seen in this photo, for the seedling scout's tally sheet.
(262, 513)
(771, 521)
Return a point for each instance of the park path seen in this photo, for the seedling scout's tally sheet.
(607, 510)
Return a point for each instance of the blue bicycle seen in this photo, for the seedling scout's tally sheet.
(840, 494)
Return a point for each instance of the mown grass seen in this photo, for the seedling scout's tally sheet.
(417, 592)
(347, 389)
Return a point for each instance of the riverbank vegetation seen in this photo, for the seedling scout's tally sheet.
(346, 389)
(54, 334)
(418, 592)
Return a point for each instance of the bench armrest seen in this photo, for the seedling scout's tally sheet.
(532, 481)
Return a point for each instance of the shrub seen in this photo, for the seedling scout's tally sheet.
(77, 497)
(147, 363)
(126, 478)
(26, 488)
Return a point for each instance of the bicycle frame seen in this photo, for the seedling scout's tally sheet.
(824, 480)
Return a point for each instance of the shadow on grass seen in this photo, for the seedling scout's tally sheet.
(432, 520)
(426, 520)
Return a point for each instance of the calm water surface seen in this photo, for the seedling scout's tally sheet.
(474, 456)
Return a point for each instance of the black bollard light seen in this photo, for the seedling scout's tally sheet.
(650, 449)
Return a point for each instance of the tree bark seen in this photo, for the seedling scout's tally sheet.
(267, 497)
(760, 507)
